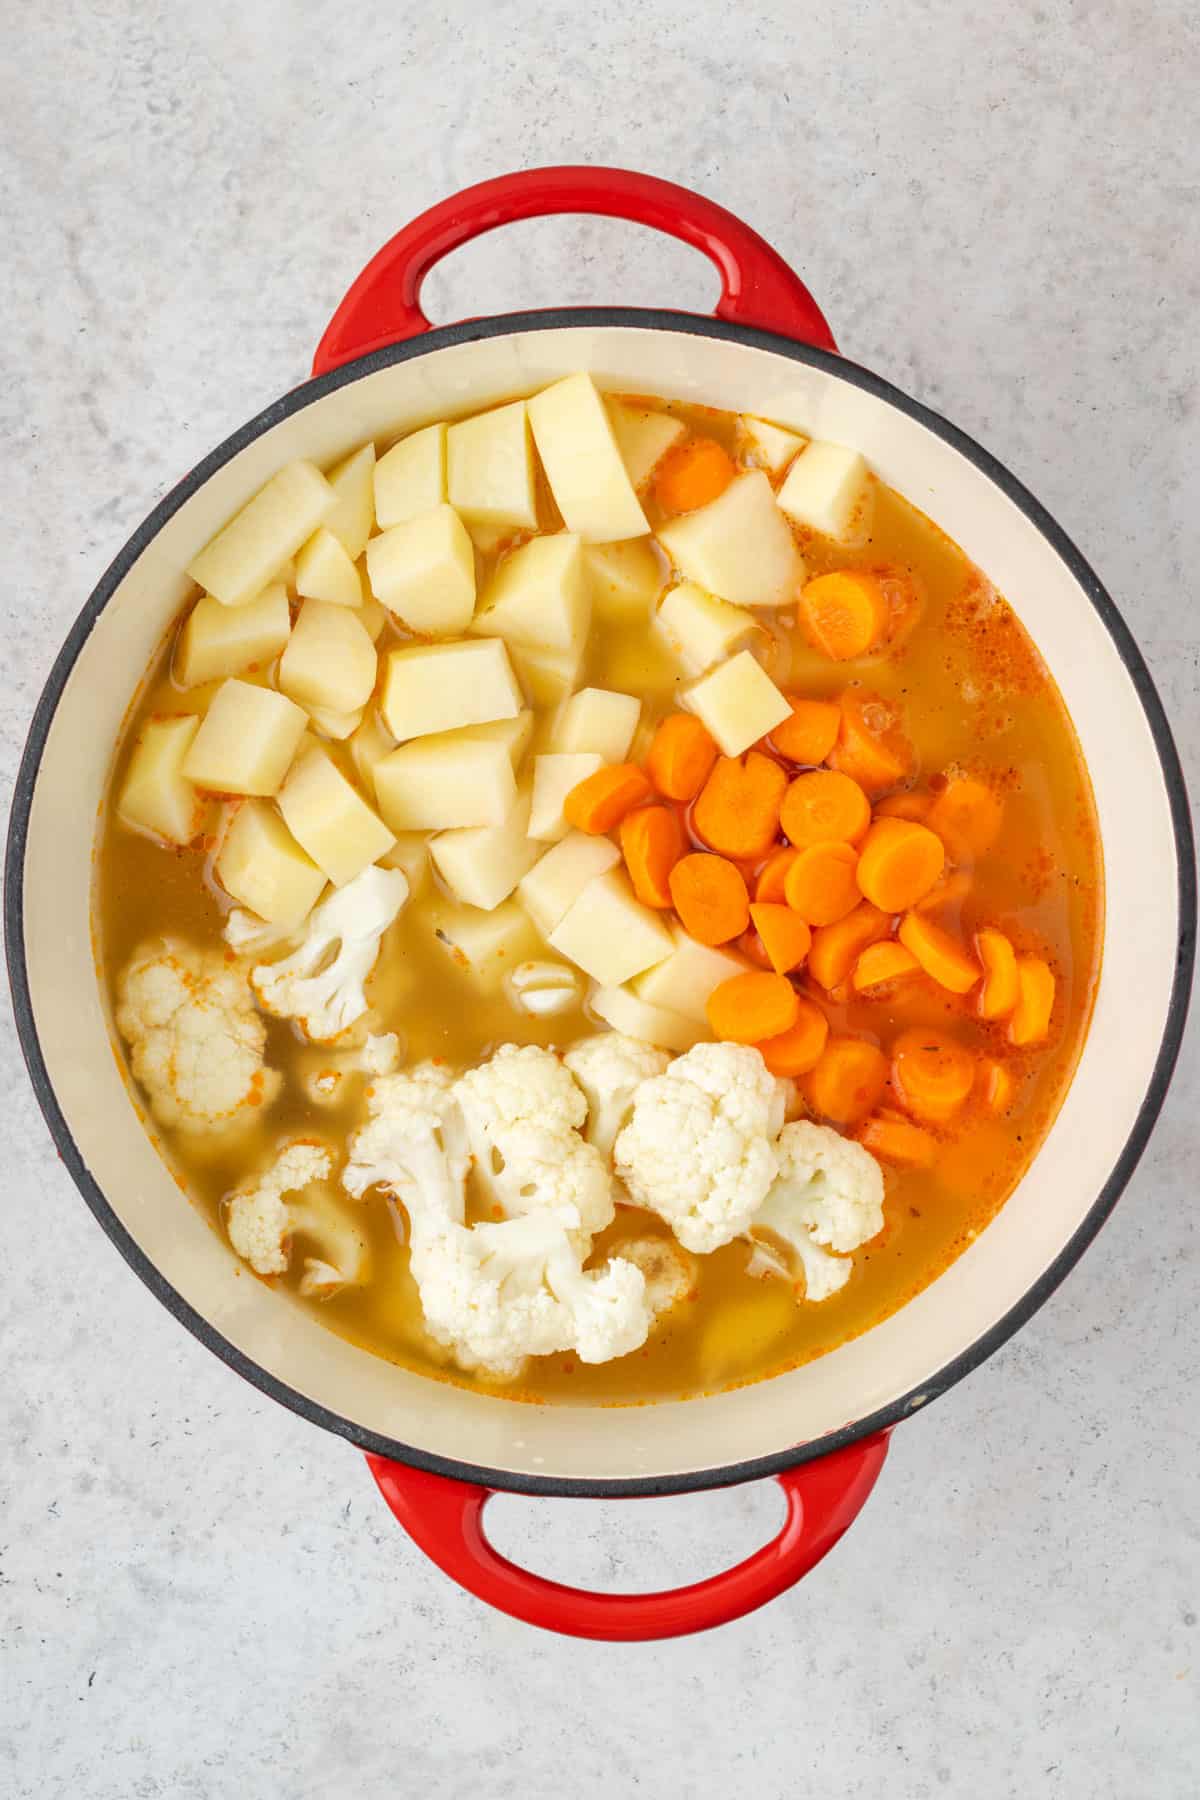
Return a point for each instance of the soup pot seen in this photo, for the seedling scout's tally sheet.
(437, 1451)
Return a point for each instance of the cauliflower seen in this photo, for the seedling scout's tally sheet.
(323, 982)
(610, 1068)
(415, 1145)
(246, 933)
(322, 1072)
(542, 988)
(195, 1040)
(699, 1146)
(261, 1223)
(669, 1271)
(828, 1196)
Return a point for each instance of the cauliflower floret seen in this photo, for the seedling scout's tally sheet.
(828, 1196)
(520, 1084)
(698, 1148)
(669, 1270)
(323, 1072)
(195, 1040)
(262, 1223)
(610, 1068)
(246, 933)
(323, 983)
(415, 1145)
(543, 988)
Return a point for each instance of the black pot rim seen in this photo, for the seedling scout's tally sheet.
(690, 1481)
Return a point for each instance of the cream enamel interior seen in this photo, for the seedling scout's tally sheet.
(896, 1358)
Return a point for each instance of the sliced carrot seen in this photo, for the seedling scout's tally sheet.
(769, 886)
(748, 1008)
(950, 891)
(786, 937)
(993, 1085)
(913, 805)
(1031, 1019)
(836, 948)
(897, 1140)
(1001, 989)
(898, 863)
(845, 613)
(821, 884)
(798, 1049)
(932, 1074)
(710, 896)
(811, 732)
(601, 800)
(941, 956)
(846, 1082)
(692, 474)
(737, 812)
(652, 842)
(823, 807)
(881, 963)
(872, 746)
(753, 949)
(680, 757)
(967, 816)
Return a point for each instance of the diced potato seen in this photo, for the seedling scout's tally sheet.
(246, 741)
(623, 1011)
(337, 725)
(583, 465)
(489, 468)
(539, 596)
(263, 867)
(738, 1334)
(156, 794)
(483, 865)
(221, 640)
(558, 878)
(683, 982)
(637, 662)
(325, 572)
(547, 676)
(701, 630)
(439, 687)
(827, 489)
(515, 734)
(424, 572)
(609, 933)
(598, 720)
(643, 437)
(626, 579)
(330, 660)
(329, 818)
(368, 746)
(410, 478)
(488, 539)
(738, 702)
(484, 945)
(371, 616)
(770, 445)
(250, 551)
(410, 853)
(444, 781)
(553, 778)
(739, 546)
(353, 481)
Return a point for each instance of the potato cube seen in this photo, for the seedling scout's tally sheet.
(439, 687)
(369, 744)
(770, 445)
(828, 489)
(221, 640)
(424, 572)
(683, 982)
(553, 778)
(446, 780)
(484, 945)
(623, 1011)
(738, 702)
(263, 867)
(410, 478)
(643, 437)
(353, 481)
(156, 794)
(410, 854)
(248, 552)
(246, 741)
(598, 720)
(558, 878)
(583, 465)
(490, 539)
(489, 468)
(515, 734)
(370, 615)
(325, 572)
(701, 630)
(739, 546)
(625, 579)
(329, 818)
(539, 596)
(333, 724)
(609, 933)
(547, 676)
(483, 865)
(330, 660)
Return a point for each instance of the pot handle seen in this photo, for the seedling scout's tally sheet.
(757, 287)
(444, 1518)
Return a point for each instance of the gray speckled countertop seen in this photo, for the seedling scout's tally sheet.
(202, 1597)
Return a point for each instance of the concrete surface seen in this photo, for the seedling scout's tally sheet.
(200, 1596)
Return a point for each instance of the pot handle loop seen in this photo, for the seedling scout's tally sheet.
(444, 1518)
(757, 287)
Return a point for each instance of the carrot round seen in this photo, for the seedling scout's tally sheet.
(1001, 989)
(822, 807)
(910, 805)
(709, 894)
(898, 863)
(932, 1074)
(747, 1008)
(836, 948)
(737, 811)
(811, 732)
(769, 886)
(882, 963)
(872, 746)
(1030, 1022)
(967, 816)
(798, 1049)
(941, 956)
(951, 890)
(753, 949)
(601, 801)
(680, 757)
(692, 474)
(896, 1140)
(652, 842)
(993, 1085)
(821, 884)
(847, 1080)
(845, 613)
(785, 936)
